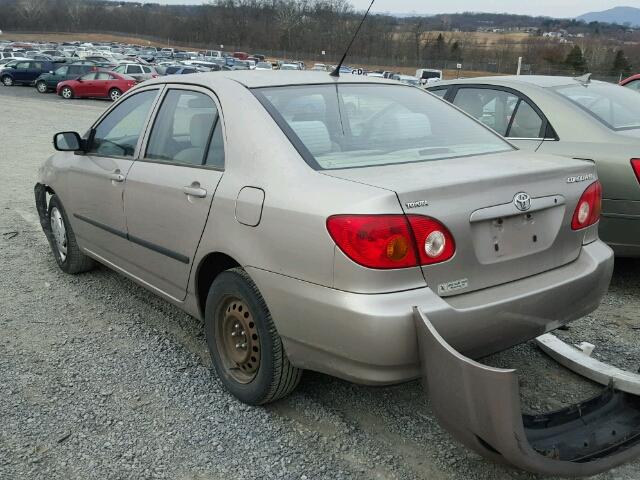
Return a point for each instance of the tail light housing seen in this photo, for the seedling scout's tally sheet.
(589, 207)
(635, 164)
(391, 241)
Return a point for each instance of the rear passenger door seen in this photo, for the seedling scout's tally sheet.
(170, 188)
(506, 111)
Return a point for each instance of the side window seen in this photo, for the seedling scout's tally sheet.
(89, 76)
(36, 65)
(63, 71)
(634, 85)
(22, 65)
(118, 133)
(440, 92)
(103, 76)
(134, 69)
(120, 69)
(215, 156)
(146, 69)
(182, 128)
(494, 108)
(526, 122)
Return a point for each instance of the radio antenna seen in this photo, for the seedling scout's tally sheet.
(336, 71)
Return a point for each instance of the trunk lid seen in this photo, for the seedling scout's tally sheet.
(475, 198)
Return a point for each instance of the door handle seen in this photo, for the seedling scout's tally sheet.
(116, 176)
(194, 190)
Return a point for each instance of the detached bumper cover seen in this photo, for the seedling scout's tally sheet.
(480, 407)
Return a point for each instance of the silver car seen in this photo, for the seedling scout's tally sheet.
(327, 224)
(573, 117)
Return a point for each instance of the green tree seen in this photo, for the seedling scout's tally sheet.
(575, 60)
(621, 65)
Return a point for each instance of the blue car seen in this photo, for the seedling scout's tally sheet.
(24, 72)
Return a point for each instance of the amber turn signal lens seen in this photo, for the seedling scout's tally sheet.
(397, 248)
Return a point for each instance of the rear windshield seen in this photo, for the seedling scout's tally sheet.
(356, 125)
(616, 107)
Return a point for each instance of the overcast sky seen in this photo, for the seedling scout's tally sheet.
(551, 8)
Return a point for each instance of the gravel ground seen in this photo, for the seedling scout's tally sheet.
(101, 379)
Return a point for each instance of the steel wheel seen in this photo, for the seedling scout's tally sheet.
(7, 81)
(114, 94)
(59, 232)
(238, 340)
(66, 93)
(41, 87)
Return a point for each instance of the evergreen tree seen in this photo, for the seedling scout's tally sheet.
(575, 60)
(456, 54)
(621, 65)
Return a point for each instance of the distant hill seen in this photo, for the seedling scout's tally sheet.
(619, 15)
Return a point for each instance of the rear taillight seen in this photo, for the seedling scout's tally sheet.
(635, 164)
(391, 241)
(589, 207)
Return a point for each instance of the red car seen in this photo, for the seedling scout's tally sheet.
(632, 82)
(96, 85)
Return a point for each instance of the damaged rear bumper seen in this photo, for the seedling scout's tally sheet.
(480, 406)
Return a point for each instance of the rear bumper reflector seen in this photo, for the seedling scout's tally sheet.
(480, 406)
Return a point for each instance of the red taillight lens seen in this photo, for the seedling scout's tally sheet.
(391, 241)
(589, 207)
(635, 164)
(434, 241)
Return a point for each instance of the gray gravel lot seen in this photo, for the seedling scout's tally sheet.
(101, 379)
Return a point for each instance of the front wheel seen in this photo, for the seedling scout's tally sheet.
(114, 94)
(66, 93)
(68, 255)
(245, 347)
(7, 81)
(42, 87)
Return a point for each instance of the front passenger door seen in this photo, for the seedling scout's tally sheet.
(170, 188)
(97, 178)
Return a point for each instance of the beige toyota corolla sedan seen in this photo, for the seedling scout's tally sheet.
(332, 224)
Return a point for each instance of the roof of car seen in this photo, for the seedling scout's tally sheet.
(274, 78)
(545, 81)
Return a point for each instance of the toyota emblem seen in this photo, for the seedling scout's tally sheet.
(522, 201)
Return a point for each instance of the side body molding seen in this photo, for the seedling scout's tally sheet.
(480, 407)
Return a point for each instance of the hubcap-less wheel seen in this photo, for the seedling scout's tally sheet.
(114, 94)
(67, 93)
(59, 232)
(42, 87)
(238, 340)
(8, 81)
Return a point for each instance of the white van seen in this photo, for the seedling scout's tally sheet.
(428, 75)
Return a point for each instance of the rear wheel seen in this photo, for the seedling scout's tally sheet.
(245, 347)
(114, 94)
(41, 86)
(68, 255)
(66, 93)
(7, 81)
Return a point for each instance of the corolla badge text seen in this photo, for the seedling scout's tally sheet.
(580, 178)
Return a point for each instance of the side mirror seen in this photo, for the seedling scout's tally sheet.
(67, 142)
(51, 72)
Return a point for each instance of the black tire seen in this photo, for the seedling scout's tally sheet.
(114, 94)
(275, 377)
(66, 93)
(73, 260)
(7, 81)
(41, 86)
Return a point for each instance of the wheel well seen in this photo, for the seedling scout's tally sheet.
(210, 267)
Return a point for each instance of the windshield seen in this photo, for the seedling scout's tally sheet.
(616, 107)
(360, 125)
